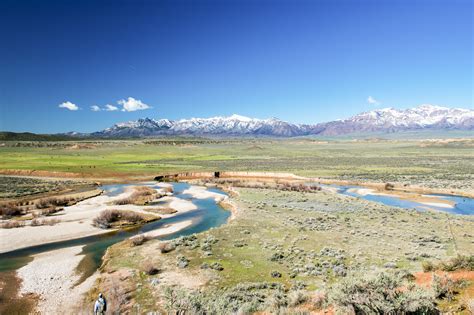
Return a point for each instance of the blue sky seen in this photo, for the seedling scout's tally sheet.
(301, 61)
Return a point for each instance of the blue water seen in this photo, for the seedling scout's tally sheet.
(463, 205)
(207, 215)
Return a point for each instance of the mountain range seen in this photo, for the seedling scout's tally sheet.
(387, 120)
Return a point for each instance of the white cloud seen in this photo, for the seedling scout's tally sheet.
(110, 108)
(131, 105)
(95, 108)
(68, 105)
(372, 101)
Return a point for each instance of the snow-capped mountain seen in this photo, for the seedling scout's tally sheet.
(234, 125)
(391, 120)
(379, 120)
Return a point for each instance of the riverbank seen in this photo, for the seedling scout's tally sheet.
(52, 276)
(76, 221)
(72, 268)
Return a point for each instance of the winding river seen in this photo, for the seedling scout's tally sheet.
(207, 215)
(447, 203)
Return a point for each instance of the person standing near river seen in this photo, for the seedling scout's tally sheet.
(100, 306)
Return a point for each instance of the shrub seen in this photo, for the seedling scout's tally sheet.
(427, 266)
(444, 287)
(39, 222)
(244, 298)
(296, 298)
(51, 221)
(182, 262)
(53, 202)
(459, 262)
(141, 194)
(380, 294)
(50, 211)
(105, 219)
(36, 222)
(12, 224)
(139, 240)
(179, 301)
(166, 247)
(150, 269)
(8, 210)
(216, 266)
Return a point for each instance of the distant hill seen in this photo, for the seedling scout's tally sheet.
(28, 136)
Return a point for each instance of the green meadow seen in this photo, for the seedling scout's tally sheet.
(431, 163)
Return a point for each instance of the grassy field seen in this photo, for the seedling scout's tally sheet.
(281, 242)
(440, 163)
(299, 240)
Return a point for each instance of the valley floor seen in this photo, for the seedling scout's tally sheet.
(282, 251)
(307, 240)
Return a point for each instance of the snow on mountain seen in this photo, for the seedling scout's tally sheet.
(380, 120)
(391, 120)
(234, 125)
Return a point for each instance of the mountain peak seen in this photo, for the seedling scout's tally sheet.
(425, 116)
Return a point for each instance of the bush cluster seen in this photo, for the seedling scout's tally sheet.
(245, 298)
(105, 219)
(141, 194)
(53, 202)
(460, 262)
(384, 293)
(8, 210)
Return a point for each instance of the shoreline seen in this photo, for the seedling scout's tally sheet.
(51, 276)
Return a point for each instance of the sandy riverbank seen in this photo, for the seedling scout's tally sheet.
(76, 221)
(201, 192)
(51, 276)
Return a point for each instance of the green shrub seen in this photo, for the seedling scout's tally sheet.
(245, 298)
(460, 262)
(384, 293)
(427, 266)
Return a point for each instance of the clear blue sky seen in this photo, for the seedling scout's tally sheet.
(301, 61)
